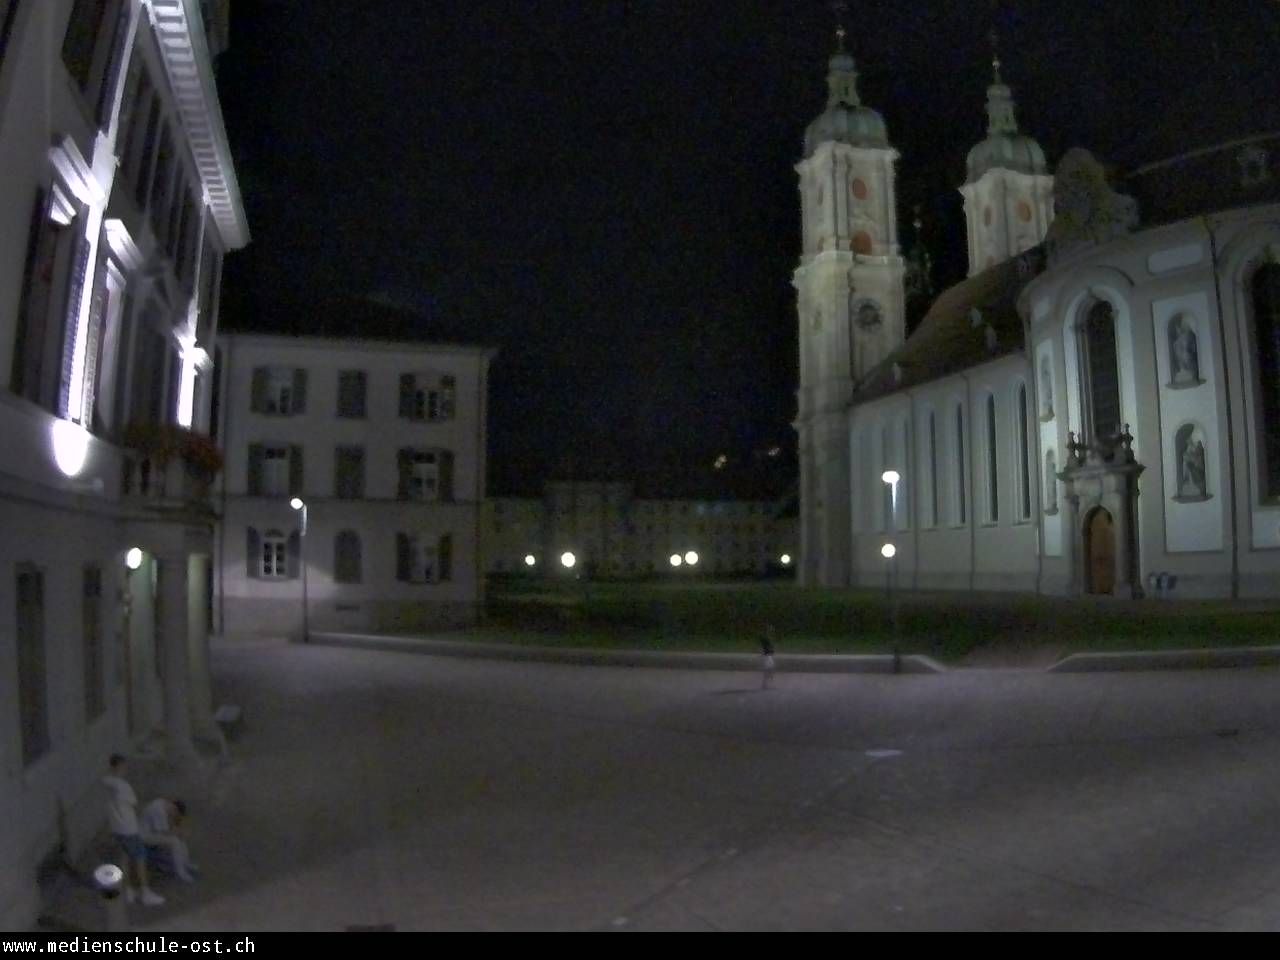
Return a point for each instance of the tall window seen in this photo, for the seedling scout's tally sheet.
(8, 9)
(33, 695)
(348, 468)
(346, 557)
(1266, 318)
(421, 558)
(961, 505)
(274, 556)
(275, 470)
(83, 30)
(351, 393)
(425, 474)
(94, 665)
(1103, 393)
(933, 469)
(1024, 464)
(993, 465)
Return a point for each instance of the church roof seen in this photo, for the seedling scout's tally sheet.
(970, 323)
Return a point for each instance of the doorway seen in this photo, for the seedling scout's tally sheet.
(1100, 552)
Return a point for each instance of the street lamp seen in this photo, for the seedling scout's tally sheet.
(691, 558)
(133, 558)
(567, 560)
(786, 559)
(297, 503)
(676, 559)
(890, 554)
(530, 560)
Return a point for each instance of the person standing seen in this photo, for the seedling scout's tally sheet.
(122, 819)
(767, 640)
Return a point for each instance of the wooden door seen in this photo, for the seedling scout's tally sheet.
(1100, 552)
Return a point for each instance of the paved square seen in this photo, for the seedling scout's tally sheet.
(374, 788)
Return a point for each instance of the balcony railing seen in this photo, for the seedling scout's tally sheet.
(169, 467)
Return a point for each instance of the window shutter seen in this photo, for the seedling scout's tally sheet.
(404, 464)
(406, 395)
(446, 557)
(253, 554)
(295, 470)
(258, 398)
(402, 557)
(446, 475)
(255, 469)
(299, 390)
(448, 388)
(294, 555)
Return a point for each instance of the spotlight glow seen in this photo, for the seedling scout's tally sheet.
(70, 447)
(888, 551)
(133, 558)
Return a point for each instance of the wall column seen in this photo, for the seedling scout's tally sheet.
(175, 663)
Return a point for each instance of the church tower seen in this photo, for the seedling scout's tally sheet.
(1008, 196)
(850, 303)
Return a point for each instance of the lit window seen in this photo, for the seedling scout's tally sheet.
(427, 396)
(274, 556)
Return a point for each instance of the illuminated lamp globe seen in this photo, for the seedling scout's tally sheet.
(70, 447)
(676, 560)
(891, 477)
(786, 559)
(691, 558)
(568, 560)
(530, 560)
(133, 558)
(888, 551)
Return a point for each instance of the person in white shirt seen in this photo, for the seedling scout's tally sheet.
(161, 826)
(122, 818)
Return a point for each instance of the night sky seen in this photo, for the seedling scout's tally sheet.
(604, 191)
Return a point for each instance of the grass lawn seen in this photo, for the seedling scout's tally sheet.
(729, 616)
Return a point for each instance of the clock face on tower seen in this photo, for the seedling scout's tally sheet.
(866, 314)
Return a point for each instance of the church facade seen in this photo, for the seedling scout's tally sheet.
(1094, 410)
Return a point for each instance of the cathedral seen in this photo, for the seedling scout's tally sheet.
(1095, 409)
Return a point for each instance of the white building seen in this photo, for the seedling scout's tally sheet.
(384, 442)
(123, 202)
(613, 533)
(1094, 410)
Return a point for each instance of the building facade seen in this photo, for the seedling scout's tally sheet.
(384, 444)
(613, 533)
(1092, 411)
(124, 202)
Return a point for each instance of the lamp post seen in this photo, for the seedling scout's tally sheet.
(299, 504)
(890, 554)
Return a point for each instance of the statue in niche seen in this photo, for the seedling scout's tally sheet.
(1192, 484)
(1184, 352)
(1046, 389)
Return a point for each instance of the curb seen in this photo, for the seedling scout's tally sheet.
(743, 662)
(1201, 659)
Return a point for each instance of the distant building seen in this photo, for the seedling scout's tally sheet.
(120, 203)
(615, 534)
(1094, 410)
(384, 442)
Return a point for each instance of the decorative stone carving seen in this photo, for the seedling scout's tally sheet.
(1046, 389)
(867, 314)
(1087, 211)
(1184, 353)
(1051, 482)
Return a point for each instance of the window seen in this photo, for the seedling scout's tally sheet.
(32, 689)
(351, 394)
(427, 396)
(424, 559)
(1266, 317)
(961, 504)
(274, 554)
(94, 665)
(348, 470)
(993, 466)
(425, 475)
(279, 391)
(1024, 460)
(81, 39)
(8, 10)
(162, 188)
(36, 347)
(275, 470)
(346, 557)
(146, 148)
(1103, 389)
(933, 470)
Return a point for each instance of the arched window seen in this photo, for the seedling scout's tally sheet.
(1266, 318)
(1103, 375)
(1024, 464)
(346, 557)
(993, 466)
(961, 509)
